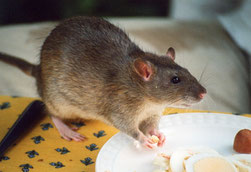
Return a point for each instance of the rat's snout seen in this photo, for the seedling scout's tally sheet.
(202, 95)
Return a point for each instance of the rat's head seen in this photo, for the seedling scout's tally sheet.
(163, 80)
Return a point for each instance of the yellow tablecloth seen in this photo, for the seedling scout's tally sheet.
(51, 152)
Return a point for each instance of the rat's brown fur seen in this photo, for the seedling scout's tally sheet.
(87, 70)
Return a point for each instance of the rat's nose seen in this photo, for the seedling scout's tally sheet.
(202, 95)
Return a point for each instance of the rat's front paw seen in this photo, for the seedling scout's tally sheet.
(160, 136)
(148, 142)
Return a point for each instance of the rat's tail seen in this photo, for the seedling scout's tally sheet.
(26, 67)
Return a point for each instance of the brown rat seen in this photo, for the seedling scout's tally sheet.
(90, 69)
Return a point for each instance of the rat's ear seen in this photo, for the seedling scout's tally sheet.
(143, 68)
(171, 53)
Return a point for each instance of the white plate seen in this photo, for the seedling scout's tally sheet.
(216, 131)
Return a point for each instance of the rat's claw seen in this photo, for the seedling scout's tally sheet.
(66, 138)
(68, 134)
(75, 128)
(148, 142)
(149, 145)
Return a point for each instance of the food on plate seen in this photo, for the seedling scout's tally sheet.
(175, 161)
(242, 162)
(162, 162)
(201, 159)
(242, 141)
(155, 139)
(179, 156)
(209, 163)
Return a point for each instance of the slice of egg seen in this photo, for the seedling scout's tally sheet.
(161, 162)
(242, 162)
(205, 162)
(180, 155)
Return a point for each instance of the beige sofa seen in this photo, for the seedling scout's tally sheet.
(204, 48)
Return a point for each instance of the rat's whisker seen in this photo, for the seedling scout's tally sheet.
(203, 72)
(175, 101)
(209, 80)
(209, 85)
(211, 99)
(206, 79)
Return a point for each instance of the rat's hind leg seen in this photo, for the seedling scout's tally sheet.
(65, 131)
(57, 114)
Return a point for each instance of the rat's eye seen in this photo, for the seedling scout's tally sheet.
(175, 80)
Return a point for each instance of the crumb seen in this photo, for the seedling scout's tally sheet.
(155, 139)
(40, 160)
